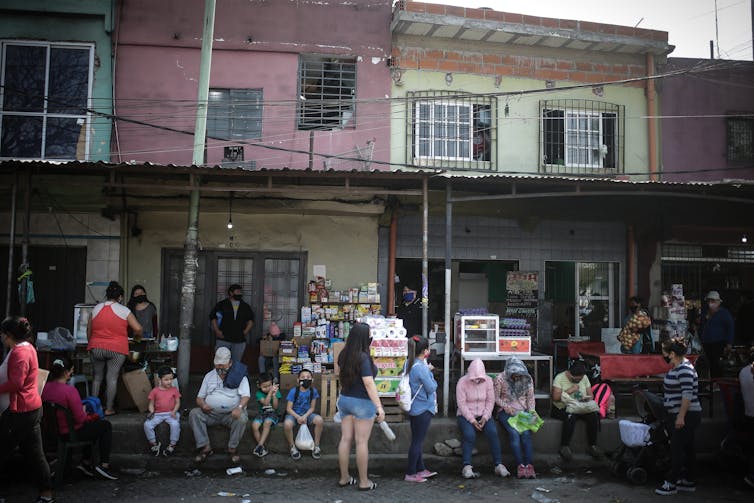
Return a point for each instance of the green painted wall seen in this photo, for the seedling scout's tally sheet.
(71, 21)
(518, 134)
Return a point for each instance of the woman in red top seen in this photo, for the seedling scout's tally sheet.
(57, 390)
(20, 422)
(107, 333)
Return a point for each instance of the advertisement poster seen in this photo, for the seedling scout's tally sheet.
(521, 305)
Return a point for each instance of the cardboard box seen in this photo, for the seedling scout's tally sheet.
(269, 348)
(138, 386)
(336, 349)
(42, 379)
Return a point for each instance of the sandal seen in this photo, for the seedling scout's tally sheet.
(371, 487)
(203, 455)
(351, 482)
(109, 413)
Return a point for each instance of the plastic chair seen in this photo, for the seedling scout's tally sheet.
(77, 379)
(51, 435)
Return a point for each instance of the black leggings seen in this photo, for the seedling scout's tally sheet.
(102, 431)
(21, 429)
(592, 421)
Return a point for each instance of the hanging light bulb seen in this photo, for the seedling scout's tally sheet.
(230, 211)
(744, 239)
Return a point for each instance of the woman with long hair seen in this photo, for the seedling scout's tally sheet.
(423, 406)
(20, 423)
(144, 310)
(681, 397)
(358, 405)
(57, 390)
(107, 333)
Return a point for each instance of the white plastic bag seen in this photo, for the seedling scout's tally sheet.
(304, 440)
(634, 434)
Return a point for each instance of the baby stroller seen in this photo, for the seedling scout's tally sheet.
(646, 444)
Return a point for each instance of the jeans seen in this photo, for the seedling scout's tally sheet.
(22, 429)
(469, 437)
(419, 428)
(592, 421)
(236, 348)
(102, 432)
(159, 417)
(360, 408)
(682, 452)
(518, 440)
(200, 420)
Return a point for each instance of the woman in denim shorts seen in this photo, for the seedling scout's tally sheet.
(358, 405)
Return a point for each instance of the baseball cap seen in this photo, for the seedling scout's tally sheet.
(222, 356)
(714, 295)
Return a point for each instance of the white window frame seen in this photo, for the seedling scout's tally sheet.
(87, 117)
(577, 114)
(432, 130)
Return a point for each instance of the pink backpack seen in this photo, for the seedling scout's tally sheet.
(602, 394)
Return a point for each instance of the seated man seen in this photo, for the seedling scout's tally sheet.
(220, 405)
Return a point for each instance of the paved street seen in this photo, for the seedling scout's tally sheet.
(172, 485)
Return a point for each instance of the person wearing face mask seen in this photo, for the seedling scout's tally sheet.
(573, 387)
(144, 310)
(681, 400)
(718, 332)
(232, 320)
(410, 311)
(475, 398)
(107, 333)
(302, 402)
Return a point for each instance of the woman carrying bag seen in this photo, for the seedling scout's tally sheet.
(423, 406)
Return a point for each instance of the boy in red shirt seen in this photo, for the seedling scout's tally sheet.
(164, 403)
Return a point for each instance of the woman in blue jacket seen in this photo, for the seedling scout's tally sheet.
(423, 406)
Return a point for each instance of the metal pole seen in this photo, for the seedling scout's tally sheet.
(425, 259)
(311, 149)
(448, 259)
(11, 245)
(190, 262)
(25, 246)
(391, 262)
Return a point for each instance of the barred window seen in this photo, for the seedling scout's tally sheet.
(451, 131)
(327, 92)
(581, 136)
(43, 101)
(740, 139)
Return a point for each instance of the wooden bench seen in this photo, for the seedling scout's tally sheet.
(624, 388)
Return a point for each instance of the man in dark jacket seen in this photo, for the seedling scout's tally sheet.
(410, 311)
(232, 320)
(717, 333)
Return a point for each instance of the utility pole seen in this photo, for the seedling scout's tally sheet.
(190, 262)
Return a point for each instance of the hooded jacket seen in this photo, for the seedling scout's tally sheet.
(505, 396)
(475, 399)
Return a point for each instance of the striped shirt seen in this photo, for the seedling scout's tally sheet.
(681, 382)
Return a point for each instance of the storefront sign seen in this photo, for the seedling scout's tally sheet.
(522, 300)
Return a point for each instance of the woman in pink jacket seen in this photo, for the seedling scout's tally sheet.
(475, 397)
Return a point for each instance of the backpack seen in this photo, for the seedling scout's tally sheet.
(93, 405)
(602, 394)
(235, 375)
(403, 394)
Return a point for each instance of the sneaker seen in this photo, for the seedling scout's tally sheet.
(42, 499)
(530, 473)
(469, 473)
(169, 451)
(414, 478)
(104, 472)
(666, 489)
(295, 453)
(426, 474)
(155, 449)
(749, 480)
(521, 472)
(686, 485)
(316, 453)
(85, 469)
(595, 452)
(502, 471)
(566, 454)
(261, 451)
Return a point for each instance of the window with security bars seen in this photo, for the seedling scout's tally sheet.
(581, 136)
(451, 131)
(43, 101)
(740, 139)
(327, 92)
(234, 114)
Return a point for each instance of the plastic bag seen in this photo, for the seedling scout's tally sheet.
(61, 339)
(526, 421)
(304, 440)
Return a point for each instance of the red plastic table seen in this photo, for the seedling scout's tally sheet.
(620, 366)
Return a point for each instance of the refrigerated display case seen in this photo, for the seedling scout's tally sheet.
(478, 335)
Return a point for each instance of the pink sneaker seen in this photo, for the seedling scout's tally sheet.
(414, 478)
(426, 474)
(522, 472)
(530, 473)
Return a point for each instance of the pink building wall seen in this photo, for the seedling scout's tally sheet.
(257, 45)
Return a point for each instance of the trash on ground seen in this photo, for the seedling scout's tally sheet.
(542, 490)
(224, 493)
(245, 501)
(269, 471)
(282, 474)
(234, 471)
(461, 486)
(192, 473)
(541, 498)
(564, 480)
(555, 470)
